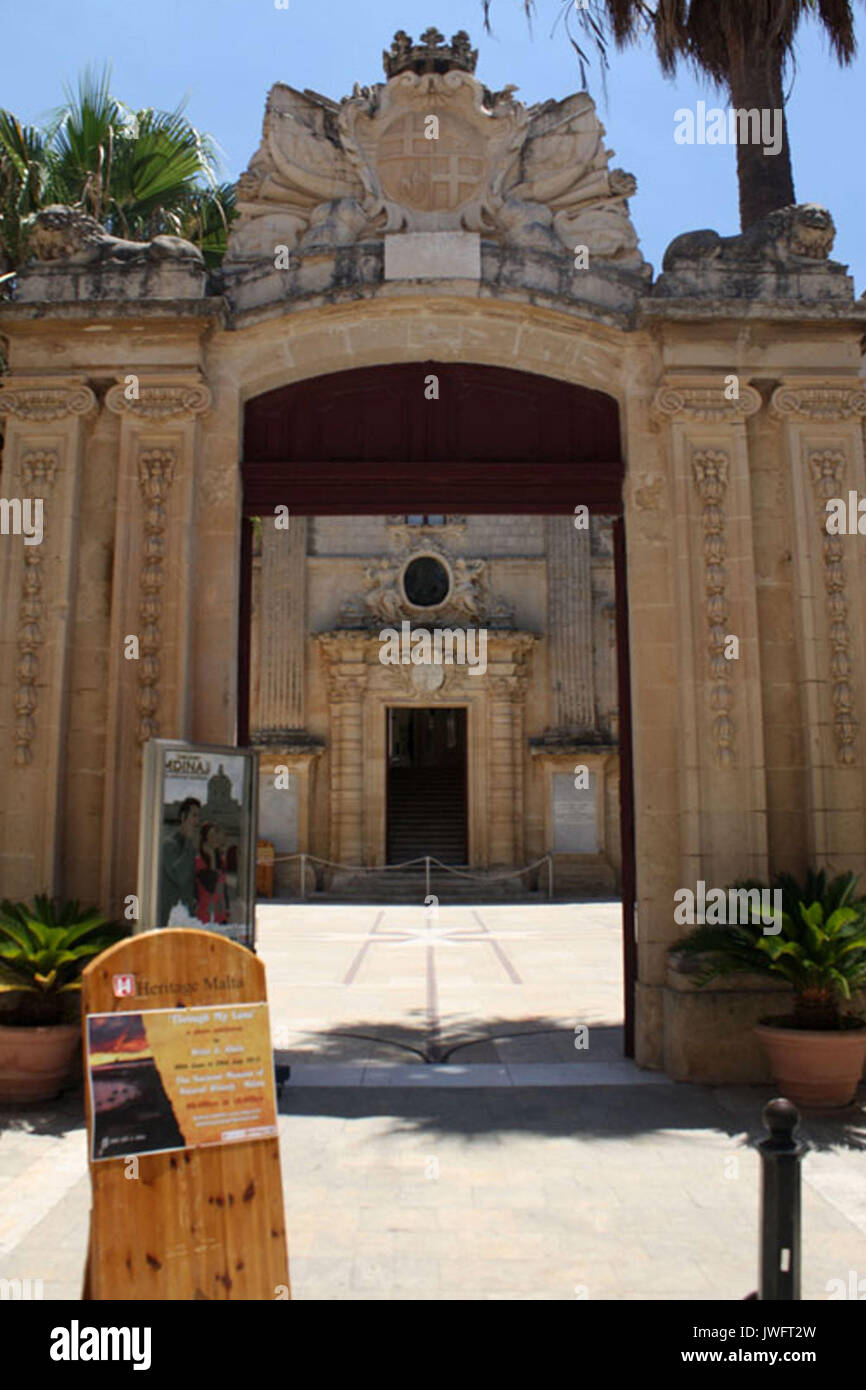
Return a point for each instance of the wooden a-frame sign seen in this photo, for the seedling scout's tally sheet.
(196, 1223)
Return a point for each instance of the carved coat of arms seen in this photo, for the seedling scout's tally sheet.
(431, 149)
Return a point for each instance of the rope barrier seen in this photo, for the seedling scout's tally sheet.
(427, 860)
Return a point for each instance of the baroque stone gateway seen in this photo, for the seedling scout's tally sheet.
(434, 338)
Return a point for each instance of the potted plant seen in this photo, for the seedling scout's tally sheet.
(817, 1051)
(42, 955)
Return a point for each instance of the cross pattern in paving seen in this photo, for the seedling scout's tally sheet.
(500, 982)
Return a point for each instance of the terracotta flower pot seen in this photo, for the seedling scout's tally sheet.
(812, 1068)
(35, 1062)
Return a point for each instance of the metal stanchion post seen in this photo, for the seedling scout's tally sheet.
(780, 1203)
(303, 876)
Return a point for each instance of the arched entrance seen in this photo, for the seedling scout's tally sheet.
(436, 438)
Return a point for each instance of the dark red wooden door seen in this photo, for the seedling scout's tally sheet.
(367, 441)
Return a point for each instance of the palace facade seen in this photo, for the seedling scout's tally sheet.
(433, 338)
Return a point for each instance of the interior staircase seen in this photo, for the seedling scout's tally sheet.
(427, 814)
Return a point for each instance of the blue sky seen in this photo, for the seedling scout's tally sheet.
(223, 55)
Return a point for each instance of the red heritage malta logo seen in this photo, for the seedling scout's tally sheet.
(123, 985)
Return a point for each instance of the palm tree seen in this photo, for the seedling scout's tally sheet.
(140, 173)
(745, 46)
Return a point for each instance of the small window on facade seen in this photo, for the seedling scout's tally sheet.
(419, 520)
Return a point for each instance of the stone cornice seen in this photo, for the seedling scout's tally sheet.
(37, 401)
(706, 403)
(818, 402)
(777, 310)
(158, 400)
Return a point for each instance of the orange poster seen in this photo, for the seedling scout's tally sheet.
(180, 1079)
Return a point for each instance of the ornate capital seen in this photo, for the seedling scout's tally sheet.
(347, 683)
(511, 688)
(158, 401)
(706, 403)
(46, 402)
(818, 402)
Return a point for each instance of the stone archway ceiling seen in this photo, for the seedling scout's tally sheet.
(335, 179)
(499, 439)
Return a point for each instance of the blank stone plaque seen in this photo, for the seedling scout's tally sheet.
(574, 823)
(278, 814)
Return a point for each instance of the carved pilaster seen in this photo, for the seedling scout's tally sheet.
(38, 469)
(44, 426)
(160, 596)
(827, 468)
(347, 678)
(282, 625)
(569, 607)
(156, 472)
(507, 695)
(710, 467)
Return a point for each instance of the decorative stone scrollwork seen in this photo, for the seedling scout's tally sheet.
(646, 491)
(706, 403)
(827, 467)
(156, 470)
(385, 601)
(162, 402)
(818, 402)
(38, 470)
(346, 687)
(46, 402)
(710, 467)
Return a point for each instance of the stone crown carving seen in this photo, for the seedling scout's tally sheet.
(329, 174)
(430, 54)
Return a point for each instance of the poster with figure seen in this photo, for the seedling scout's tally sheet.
(174, 1079)
(198, 839)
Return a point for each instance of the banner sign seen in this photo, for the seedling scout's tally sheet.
(188, 1078)
(197, 849)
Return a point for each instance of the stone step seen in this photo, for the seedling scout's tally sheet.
(408, 886)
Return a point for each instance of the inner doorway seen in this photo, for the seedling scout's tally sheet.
(426, 784)
(358, 443)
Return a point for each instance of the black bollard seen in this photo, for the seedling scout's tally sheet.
(780, 1203)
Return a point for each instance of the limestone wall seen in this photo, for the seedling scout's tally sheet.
(741, 769)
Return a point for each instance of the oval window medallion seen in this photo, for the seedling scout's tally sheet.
(426, 582)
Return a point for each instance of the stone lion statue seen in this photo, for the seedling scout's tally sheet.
(803, 231)
(60, 233)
